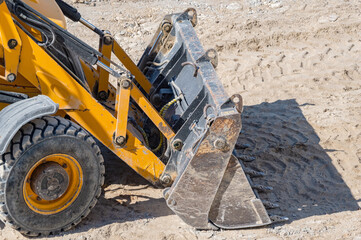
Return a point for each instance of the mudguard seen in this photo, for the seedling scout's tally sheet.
(14, 116)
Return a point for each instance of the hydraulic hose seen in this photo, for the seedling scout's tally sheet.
(162, 113)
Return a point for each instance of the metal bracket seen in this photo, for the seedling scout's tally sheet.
(123, 98)
(210, 55)
(189, 14)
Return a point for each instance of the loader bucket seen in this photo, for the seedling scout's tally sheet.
(207, 184)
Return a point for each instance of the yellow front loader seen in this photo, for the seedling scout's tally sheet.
(168, 117)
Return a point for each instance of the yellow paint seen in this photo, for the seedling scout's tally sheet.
(122, 104)
(50, 9)
(8, 31)
(130, 65)
(49, 78)
(90, 73)
(75, 175)
(106, 50)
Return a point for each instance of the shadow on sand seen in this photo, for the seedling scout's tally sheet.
(304, 180)
(286, 148)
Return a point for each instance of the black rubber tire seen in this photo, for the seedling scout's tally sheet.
(35, 140)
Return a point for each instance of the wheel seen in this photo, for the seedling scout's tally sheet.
(50, 177)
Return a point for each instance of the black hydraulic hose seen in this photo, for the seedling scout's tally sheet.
(40, 27)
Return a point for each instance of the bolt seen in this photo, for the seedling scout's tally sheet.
(108, 40)
(64, 165)
(177, 144)
(220, 144)
(103, 95)
(125, 83)
(166, 179)
(12, 43)
(38, 198)
(121, 140)
(11, 77)
(167, 27)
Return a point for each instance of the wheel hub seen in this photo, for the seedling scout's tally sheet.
(50, 181)
(53, 184)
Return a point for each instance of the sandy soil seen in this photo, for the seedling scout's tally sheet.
(297, 65)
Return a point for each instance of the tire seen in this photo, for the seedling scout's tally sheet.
(63, 149)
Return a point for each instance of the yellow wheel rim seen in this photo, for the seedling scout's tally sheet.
(52, 184)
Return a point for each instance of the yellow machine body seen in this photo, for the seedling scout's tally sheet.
(33, 78)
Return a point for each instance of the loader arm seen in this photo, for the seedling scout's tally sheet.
(56, 82)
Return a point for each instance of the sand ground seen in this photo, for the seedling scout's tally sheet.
(297, 65)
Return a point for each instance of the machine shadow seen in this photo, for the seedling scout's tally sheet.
(286, 147)
(305, 182)
(124, 197)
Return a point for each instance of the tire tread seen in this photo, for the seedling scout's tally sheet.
(32, 133)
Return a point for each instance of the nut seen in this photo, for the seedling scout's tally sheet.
(167, 27)
(177, 144)
(108, 40)
(12, 43)
(120, 141)
(11, 77)
(166, 179)
(126, 83)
